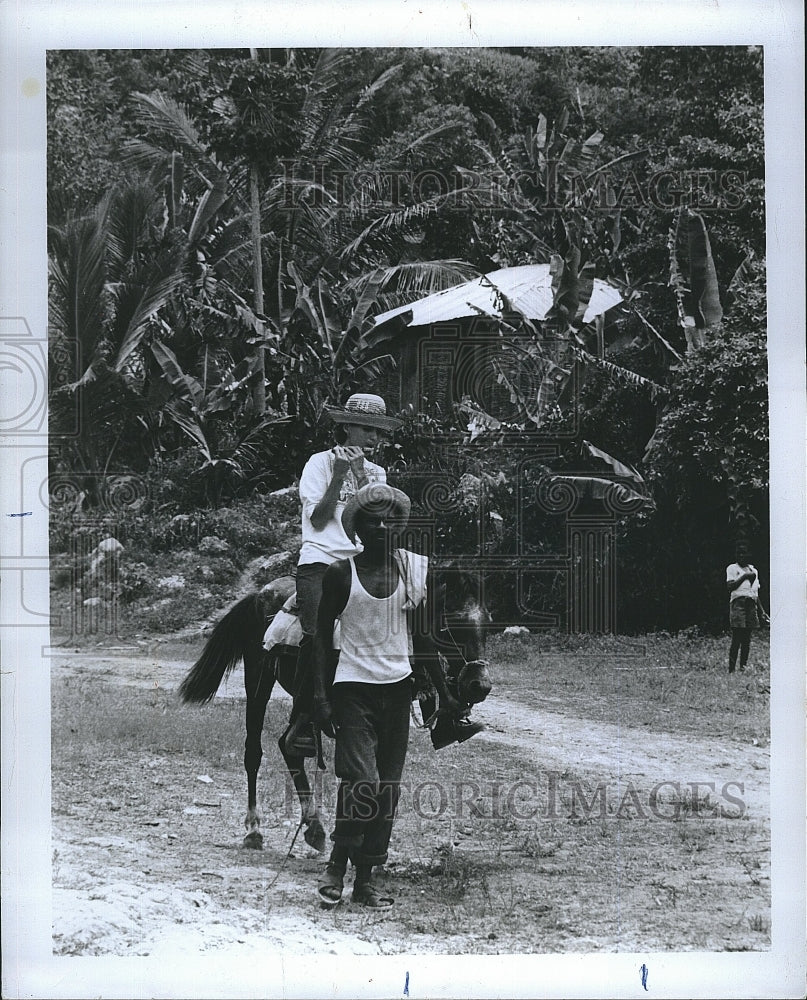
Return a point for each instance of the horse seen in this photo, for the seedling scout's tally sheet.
(459, 621)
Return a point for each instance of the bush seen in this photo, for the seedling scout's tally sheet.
(134, 581)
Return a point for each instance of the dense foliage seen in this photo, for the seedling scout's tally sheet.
(369, 178)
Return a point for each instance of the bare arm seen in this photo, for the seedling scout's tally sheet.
(732, 585)
(344, 459)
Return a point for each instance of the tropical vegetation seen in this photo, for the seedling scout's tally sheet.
(224, 224)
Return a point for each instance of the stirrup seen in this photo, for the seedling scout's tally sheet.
(300, 739)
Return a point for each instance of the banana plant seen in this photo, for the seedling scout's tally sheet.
(202, 413)
(694, 286)
(319, 358)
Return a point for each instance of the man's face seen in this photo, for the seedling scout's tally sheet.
(375, 529)
(366, 438)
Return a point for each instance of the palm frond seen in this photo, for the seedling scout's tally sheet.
(179, 380)
(180, 412)
(410, 281)
(209, 204)
(396, 220)
(168, 119)
(137, 306)
(141, 155)
(133, 207)
(638, 154)
(78, 275)
(738, 279)
(378, 84)
(428, 141)
(221, 398)
(661, 339)
(623, 376)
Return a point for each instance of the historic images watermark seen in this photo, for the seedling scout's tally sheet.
(550, 795)
(552, 188)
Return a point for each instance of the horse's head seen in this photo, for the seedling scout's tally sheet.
(474, 683)
(465, 619)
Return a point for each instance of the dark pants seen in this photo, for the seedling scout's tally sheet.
(740, 642)
(743, 620)
(371, 742)
(309, 593)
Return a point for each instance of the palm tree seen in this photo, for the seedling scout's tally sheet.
(267, 114)
(156, 261)
(106, 289)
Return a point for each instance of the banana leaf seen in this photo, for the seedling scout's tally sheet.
(706, 306)
(623, 470)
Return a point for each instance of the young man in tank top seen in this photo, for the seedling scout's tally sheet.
(379, 596)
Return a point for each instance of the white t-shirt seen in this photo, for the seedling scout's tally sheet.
(746, 588)
(329, 544)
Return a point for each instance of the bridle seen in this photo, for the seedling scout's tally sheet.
(479, 662)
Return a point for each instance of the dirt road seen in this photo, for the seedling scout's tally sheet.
(148, 859)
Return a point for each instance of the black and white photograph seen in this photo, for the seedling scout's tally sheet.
(403, 503)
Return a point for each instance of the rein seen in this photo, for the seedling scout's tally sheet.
(478, 662)
(280, 870)
(427, 723)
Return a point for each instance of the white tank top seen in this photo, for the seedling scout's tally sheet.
(374, 636)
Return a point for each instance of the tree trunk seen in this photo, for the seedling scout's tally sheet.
(259, 392)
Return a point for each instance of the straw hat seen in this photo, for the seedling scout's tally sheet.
(365, 410)
(375, 498)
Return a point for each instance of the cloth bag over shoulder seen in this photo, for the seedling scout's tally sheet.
(413, 569)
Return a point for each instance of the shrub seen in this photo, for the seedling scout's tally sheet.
(134, 581)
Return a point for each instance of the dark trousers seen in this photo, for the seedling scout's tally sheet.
(371, 742)
(740, 642)
(309, 593)
(743, 619)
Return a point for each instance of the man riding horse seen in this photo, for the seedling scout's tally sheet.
(328, 480)
(455, 616)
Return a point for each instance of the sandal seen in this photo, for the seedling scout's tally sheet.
(367, 893)
(330, 887)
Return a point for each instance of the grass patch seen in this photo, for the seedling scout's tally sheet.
(675, 683)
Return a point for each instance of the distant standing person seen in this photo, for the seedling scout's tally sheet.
(328, 480)
(742, 582)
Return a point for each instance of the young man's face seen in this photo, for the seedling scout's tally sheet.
(376, 529)
(366, 438)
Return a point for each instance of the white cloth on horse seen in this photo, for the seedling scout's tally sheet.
(285, 628)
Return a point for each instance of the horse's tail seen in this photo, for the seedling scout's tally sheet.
(223, 649)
